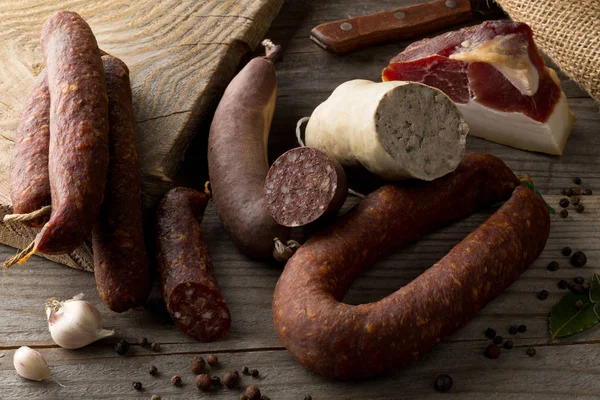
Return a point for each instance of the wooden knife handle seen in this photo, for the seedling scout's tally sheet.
(346, 35)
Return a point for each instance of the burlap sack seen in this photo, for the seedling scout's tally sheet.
(568, 31)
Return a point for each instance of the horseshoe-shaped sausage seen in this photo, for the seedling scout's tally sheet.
(347, 341)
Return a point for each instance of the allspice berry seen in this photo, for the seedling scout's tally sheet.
(176, 380)
(203, 382)
(212, 359)
(253, 392)
(231, 379)
(198, 365)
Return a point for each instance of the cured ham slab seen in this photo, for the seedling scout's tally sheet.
(496, 76)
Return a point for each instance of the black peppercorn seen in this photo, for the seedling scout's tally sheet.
(253, 392)
(308, 397)
(498, 340)
(198, 364)
(553, 266)
(585, 286)
(263, 397)
(531, 351)
(579, 304)
(564, 202)
(443, 383)
(578, 259)
(245, 371)
(212, 359)
(254, 373)
(216, 381)
(562, 284)
(155, 346)
(576, 191)
(508, 344)
(176, 380)
(580, 208)
(203, 382)
(122, 347)
(575, 200)
(231, 379)
(490, 333)
(513, 330)
(137, 385)
(492, 351)
(577, 180)
(153, 370)
(569, 192)
(142, 341)
(579, 280)
(522, 328)
(587, 192)
(564, 213)
(566, 251)
(575, 287)
(542, 295)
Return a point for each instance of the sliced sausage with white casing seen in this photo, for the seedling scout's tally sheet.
(396, 130)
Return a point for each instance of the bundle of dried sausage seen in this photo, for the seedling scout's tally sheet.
(346, 341)
(186, 275)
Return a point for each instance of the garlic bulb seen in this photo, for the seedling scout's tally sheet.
(74, 323)
(30, 364)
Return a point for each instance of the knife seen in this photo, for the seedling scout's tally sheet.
(350, 34)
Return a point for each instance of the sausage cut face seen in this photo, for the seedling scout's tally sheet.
(346, 341)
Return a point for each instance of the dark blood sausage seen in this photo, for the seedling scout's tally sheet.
(302, 185)
(347, 341)
(120, 259)
(29, 183)
(237, 158)
(186, 273)
(78, 151)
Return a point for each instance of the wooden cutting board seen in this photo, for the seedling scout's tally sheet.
(181, 54)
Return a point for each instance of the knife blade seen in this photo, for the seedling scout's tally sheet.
(344, 36)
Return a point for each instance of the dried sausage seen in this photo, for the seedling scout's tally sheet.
(186, 273)
(120, 259)
(29, 183)
(237, 157)
(302, 185)
(78, 151)
(346, 341)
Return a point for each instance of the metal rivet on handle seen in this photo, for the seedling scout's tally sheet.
(451, 3)
(399, 14)
(346, 26)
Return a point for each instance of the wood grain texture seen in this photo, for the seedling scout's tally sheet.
(181, 55)
(567, 369)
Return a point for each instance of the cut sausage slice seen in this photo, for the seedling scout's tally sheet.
(302, 185)
(186, 274)
(346, 341)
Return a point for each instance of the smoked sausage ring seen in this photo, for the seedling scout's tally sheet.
(356, 341)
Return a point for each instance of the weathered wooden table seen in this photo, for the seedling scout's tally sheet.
(568, 368)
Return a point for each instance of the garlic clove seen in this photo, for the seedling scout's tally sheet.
(30, 364)
(74, 323)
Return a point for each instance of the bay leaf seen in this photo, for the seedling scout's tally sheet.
(566, 319)
(597, 310)
(595, 289)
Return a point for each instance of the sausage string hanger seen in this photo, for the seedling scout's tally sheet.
(301, 143)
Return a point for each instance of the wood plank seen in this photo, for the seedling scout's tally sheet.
(181, 55)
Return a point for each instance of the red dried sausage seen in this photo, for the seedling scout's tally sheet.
(78, 151)
(120, 259)
(302, 185)
(346, 341)
(29, 183)
(186, 273)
